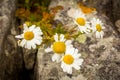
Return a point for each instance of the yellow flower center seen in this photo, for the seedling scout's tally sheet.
(68, 59)
(28, 35)
(59, 47)
(80, 21)
(98, 27)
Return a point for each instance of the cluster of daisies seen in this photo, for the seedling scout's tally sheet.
(87, 24)
(63, 50)
(65, 53)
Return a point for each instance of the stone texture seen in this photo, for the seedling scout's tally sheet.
(10, 57)
(101, 56)
(109, 7)
(14, 65)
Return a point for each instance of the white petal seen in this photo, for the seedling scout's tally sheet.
(31, 28)
(76, 67)
(25, 28)
(28, 45)
(76, 51)
(56, 57)
(23, 42)
(97, 34)
(102, 33)
(69, 70)
(69, 46)
(63, 66)
(35, 41)
(33, 46)
(76, 56)
(69, 51)
(19, 36)
(68, 42)
(38, 37)
(56, 37)
(38, 31)
(78, 61)
(62, 38)
(48, 49)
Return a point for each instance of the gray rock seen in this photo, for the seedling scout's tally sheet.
(102, 55)
(10, 56)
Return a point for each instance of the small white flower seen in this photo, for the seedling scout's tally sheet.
(71, 59)
(59, 47)
(81, 22)
(30, 37)
(97, 27)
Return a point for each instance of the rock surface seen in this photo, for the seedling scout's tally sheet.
(101, 56)
(10, 57)
(14, 65)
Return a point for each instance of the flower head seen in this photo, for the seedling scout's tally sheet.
(97, 26)
(30, 37)
(81, 21)
(71, 59)
(59, 47)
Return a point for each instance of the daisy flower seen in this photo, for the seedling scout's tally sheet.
(59, 47)
(97, 27)
(30, 37)
(71, 59)
(81, 22)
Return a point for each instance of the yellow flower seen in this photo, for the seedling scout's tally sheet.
(71, 59)
(59, 47)
(81, 22)
(97, 27)
(31, 37)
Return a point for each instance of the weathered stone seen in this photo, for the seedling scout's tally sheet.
(10, 55)
(29, 58)
(99, 51)
(109, 71)
(117, 24)
(102, 56)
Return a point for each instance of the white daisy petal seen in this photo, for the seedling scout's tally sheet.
(68, 42)
(56, 37)
(97, 34)
(62, 38)
(77, 67)
(71, 59)
(30, 37)
(19, 36)
(56, 58)
(37, 42)
(48, 49)
(28, 44)
(32, 28)
(63, 66)
(79, 61)
(33, 45)
(37, 29)
(69, 51)
(25, 27)
(22, 43)
(69, 70)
